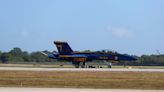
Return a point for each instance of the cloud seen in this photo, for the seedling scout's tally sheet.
(122, 33)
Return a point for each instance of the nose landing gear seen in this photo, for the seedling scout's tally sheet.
(109, 64)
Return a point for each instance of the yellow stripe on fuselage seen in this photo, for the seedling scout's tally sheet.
(64, 56)
(80, 59)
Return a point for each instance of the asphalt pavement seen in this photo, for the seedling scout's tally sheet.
(80, 69)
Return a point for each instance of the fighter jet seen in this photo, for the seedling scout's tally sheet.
(79, 59)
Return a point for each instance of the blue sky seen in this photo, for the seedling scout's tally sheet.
(127, 26)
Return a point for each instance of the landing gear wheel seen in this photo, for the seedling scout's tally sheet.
(77, 64)
(109, 66)
(83, 65)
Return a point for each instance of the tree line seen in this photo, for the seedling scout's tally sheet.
(17, 55)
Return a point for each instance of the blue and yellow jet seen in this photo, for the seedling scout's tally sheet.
(80, 58)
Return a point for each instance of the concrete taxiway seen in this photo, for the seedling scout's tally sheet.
(71, 90)
(80, 69)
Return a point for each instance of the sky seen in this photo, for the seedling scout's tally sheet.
(134, 27)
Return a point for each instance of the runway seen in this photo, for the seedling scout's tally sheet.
(70, 90)
(80, 69)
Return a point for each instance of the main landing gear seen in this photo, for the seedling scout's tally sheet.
(79, 64)
(83, 64)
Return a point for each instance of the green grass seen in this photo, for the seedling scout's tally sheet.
(114, 80)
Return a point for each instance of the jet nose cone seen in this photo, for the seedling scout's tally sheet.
(132, 58)
(126, 57)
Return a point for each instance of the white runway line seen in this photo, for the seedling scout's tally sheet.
(71, 90)
(79, 69)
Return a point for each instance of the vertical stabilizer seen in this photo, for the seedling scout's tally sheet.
(63, 48)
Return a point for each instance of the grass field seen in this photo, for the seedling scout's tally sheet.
(114, 80)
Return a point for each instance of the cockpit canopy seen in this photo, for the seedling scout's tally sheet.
(107, 51)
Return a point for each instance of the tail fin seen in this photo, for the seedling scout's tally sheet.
(63, 48)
